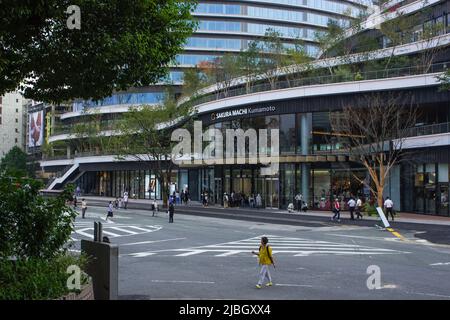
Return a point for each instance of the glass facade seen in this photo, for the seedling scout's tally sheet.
(120, 99)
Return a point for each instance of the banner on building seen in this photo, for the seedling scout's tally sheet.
(36, 129)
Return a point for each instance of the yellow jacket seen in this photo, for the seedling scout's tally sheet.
(263, 256)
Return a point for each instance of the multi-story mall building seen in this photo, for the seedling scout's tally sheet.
(311, 163)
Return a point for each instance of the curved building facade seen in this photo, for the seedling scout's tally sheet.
(310, 162)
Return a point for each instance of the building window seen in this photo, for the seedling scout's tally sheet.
(17, 100)
(16, 140)
(17, 130)
(17, 110)
(17, 120)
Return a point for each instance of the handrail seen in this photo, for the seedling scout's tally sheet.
(358, 76)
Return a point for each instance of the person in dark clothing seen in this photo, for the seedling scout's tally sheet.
(171, 212)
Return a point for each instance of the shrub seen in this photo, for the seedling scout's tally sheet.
(37, 278)
(32, 226)
(370, 209)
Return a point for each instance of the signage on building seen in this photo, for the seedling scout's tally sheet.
(241, 112)
(36, 129)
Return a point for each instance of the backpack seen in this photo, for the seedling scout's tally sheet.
(268, 254)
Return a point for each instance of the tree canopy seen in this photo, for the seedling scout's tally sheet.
(120, 44)
(14, 162)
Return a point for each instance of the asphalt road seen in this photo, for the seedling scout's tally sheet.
(204, 257)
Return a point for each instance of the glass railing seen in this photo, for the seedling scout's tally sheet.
(320, 80)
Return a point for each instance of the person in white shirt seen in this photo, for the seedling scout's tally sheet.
(125, 199)
(389, 207)
(358, 208)
(110, 211)
(351, 207)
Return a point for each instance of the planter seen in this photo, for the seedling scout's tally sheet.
(87, 293)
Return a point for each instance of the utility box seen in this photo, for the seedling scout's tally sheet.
(103, 267)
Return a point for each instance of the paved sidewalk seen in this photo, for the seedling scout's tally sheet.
(400, 217)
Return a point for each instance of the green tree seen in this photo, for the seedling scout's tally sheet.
(193, 81)
(145, 136)
(14, 162)
(120, 44)
(248, 64)
(445, 81)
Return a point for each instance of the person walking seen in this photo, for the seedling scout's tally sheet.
(299, 201)
(336, 210)
(258, 201)
(358, 208)
(351, 207)
(83, 208)
(389, 207)
(110, 213)
(75, 200)
(265, 260)
(225, 200)
(154, 207)
(171, 212)
(125, 199)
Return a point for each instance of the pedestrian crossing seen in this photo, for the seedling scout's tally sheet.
(85, 230)
(296, 247)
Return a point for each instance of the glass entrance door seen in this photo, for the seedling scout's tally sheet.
(271, 194)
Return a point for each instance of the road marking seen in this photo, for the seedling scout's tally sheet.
(116, 230)
(190, 253)
(112, 234)
(440, 264)
(183, 281)
(430, 294)
(124, 230)
(281, 245)
(149, 242)
(145, 230)
(395, 233)
(292, 285)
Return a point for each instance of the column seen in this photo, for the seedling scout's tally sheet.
(305, 123)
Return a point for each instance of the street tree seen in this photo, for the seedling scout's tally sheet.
(273, 56)
(119, 44)
(372, 132)
(14, 162)
(145, 137)
(248, 64)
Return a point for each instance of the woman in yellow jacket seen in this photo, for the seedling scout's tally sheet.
(265, 260)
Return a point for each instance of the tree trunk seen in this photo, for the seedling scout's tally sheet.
(380, 196)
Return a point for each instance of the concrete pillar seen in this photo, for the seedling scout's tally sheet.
(68, 152)
(305, 125)
(306, 170)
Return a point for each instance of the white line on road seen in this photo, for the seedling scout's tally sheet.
(183, 281)
(142, 229)
(148, 242)
(229, 253)
(292, 285)
(123, 230)
(440, 264)
(112, 234)
(190, 253)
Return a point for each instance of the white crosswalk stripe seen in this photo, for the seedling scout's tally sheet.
(296, 247)
(84, 230)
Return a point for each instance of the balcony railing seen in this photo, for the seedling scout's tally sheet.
(320, 80)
